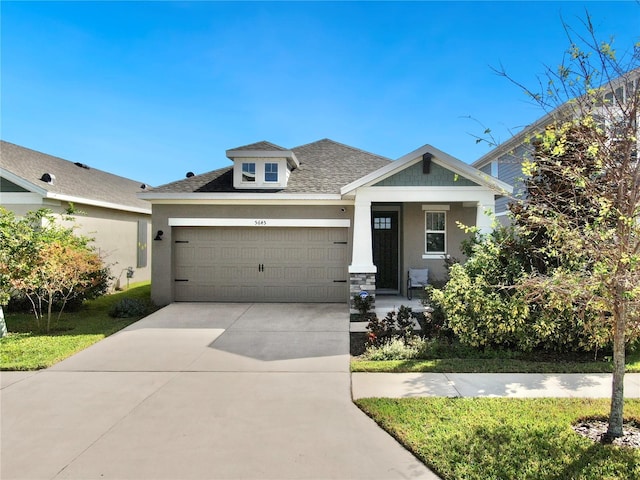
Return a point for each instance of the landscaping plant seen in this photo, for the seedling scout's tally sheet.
(579, 219)
(47, 263)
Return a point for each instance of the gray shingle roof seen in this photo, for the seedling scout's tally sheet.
(71, 179)
(263, 145)
(325, 167)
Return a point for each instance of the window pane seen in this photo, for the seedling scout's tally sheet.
(436, 221)
(142, 244)
(435, 242)
(271, 172)
(382, 223)
(248, 172)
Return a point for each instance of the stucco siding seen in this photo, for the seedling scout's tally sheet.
(114, 233)
(162, 270)
(414, 233)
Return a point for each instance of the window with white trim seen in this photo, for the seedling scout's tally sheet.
(249, 172)
(435, 236)
(270, 172)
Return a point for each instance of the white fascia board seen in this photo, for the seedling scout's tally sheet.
(45, 194)
(260, 222)
(21, 198)
(21, 182)
(288, 154)
(251, 198)
(441, 158)
(437, 195)
(97, 203)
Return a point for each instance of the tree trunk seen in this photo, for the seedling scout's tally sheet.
(617, 390)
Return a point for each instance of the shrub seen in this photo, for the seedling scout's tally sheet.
(127, 308)
(483, 306)
(396, 349)
(381, 330)
(363, 305)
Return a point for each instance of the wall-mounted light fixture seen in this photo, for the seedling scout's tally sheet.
(426, 163)
(159, 235)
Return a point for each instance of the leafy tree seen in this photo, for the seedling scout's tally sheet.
(584, 195)
(46, 262)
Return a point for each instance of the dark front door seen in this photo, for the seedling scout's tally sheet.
(385, 249)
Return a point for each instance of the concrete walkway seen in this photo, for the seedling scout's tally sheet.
(516, 385)
(201, 391)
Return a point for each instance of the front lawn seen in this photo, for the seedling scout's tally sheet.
(25, 348)
(440, 356)
(504, 438)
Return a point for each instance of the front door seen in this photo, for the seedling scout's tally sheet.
(385, 249)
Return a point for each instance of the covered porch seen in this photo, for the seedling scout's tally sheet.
(407, 215)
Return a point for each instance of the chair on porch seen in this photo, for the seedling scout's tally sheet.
(416, 278)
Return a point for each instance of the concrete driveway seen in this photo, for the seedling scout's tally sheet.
(251, 391)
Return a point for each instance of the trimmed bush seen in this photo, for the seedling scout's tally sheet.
(396, 349)
(128, 308)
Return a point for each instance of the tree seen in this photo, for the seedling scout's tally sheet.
(584, 193)
(46, 262)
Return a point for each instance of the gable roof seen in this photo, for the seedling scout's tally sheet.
(325, 166)
(439, 157)
(263, 145)
(73, 182)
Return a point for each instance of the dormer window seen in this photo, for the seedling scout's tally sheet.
(249, 172)
(271, 172)
(262, 166)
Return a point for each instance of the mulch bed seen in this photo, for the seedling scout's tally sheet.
(596, 429)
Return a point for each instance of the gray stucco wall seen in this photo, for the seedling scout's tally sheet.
(115, 234)
(413, 238)
(162, 271)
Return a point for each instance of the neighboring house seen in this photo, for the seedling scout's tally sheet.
(108, 209)
(316, 223)
(505, 161)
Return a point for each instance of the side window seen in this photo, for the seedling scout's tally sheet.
(142, 244)
(435, 238)
(248, 172)
(271, 172)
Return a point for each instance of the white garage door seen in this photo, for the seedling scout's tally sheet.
(280, 264)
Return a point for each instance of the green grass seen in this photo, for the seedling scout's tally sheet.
(502, 438)
(459, 359)
(26, 348)
(484, 365)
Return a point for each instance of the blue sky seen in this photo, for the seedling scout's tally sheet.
(151, 90)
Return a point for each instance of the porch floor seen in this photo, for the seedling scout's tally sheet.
(386, 303)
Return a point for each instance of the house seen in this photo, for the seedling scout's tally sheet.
(107, 207)
(315, 223)
(505, 161)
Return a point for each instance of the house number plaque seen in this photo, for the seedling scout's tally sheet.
(260, 223)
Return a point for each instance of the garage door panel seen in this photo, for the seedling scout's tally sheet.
(261, 264)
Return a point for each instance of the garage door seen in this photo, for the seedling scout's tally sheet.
(238, 264)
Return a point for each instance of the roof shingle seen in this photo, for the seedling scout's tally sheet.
(71, 179)
(325, 167)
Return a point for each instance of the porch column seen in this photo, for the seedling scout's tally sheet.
(362, 271)
(484, 214)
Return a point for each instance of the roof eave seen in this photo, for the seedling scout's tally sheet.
(440, 157)
(21, 182)
(288, 154)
